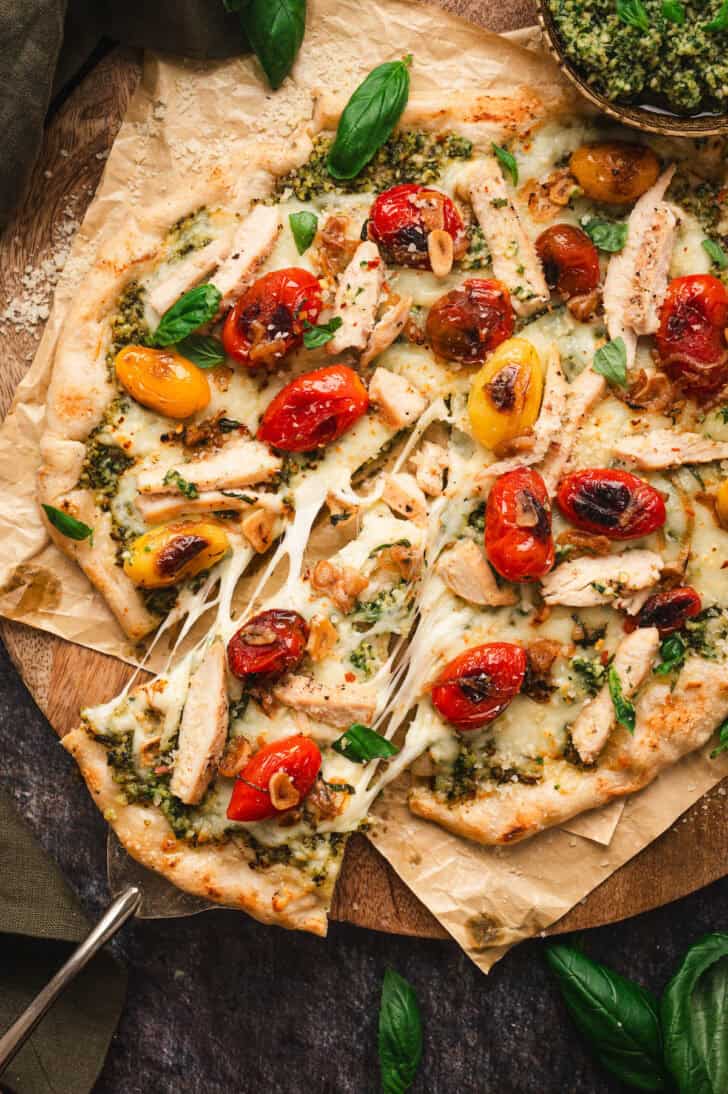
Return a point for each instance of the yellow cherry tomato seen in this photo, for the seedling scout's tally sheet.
(616, 172)
(172, 552)
(162, 380)
(505, 396)
(721, 504)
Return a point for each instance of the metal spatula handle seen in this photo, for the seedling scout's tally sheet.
(115, 917)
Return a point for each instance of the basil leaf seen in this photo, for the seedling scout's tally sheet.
(360, 744)
(369, 118)
(67, 525)
(721, 20)
(673, 11)
(611, 361)
(722, 740)
(202, 349)
(319, 335)
(187, 489)
(507, 160)
(715, 253)
(623, 709)
(607, 235)
(695, 1018)
(400, 1034)
(672, 655)
(195, 307)
(275, 30)
(617, 1017)
(304, 227)
(633, 13)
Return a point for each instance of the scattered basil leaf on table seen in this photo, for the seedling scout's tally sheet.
(607, 235)
(400, 1034)
(67, 525)
(633, 13)
(672, 655)
(673, 11)
(507, 160)
(722, 740)
(320, 334)
(275, 30)
(610, 361)
(623, 709)
(304, 226)
(202, 349)
(369, 118)
(695, 1018)
(195, 307)
(721, 20)
(187, 489)
(618, 1018)
(360, 744)
(715, 253)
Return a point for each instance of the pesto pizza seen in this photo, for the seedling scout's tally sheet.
(451, 398)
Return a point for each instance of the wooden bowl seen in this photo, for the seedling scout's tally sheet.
(649, 119)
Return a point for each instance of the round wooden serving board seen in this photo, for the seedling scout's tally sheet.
(62, 677)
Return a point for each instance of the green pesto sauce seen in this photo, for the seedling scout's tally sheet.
(681, 66)
(128, 326)
(408, 156)
(474, 768)
(190, 233)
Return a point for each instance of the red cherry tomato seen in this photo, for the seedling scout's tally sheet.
(690, 339)
(668, 611)
(518, 538)
(298, 756)
(570, 259)
(314, 409)
(467, 323)
(479, 684)
(269, 644)
(611, 503)
(267, 321)
(401, 219)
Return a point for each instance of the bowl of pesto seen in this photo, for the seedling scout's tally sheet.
(658, 65)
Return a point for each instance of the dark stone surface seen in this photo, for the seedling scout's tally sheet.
(218, 1004)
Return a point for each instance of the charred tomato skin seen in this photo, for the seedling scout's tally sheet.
(690, 339)
(314, 409)
(669, 611)
(267, 320)
(570, 260)
(467, 323)
(401, 219)
(610, 502)
(518, 539)
(478, 684)
(271, 643)
(297, 756)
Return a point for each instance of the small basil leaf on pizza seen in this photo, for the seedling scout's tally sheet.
(195, 307)
(722, 741)
(275, 30)
(506, 160)
(202, 349)
(304, 226)
(67, 525)
(369, 118)
(694, 1018)
(400, 1034)
(188, 489)
(672, 655)
(608, 235)
(316, 335)
(624, 710)
(610, 361)
(715, 253)
(360, 744)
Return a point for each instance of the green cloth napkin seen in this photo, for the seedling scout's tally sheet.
(40, 924)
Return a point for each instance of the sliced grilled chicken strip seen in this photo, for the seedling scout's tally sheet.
(662, 448)
(632, 661)
(387, 329)
(584, 393)
(465, 571)
(239, 462)
(252, 243)
(203, 728)
(514, 257)
(611, 580)
(430, 462)
(357, 299)
(335, 704)
(403, 496)
(399, 403)
(156, 508)
(188, 272)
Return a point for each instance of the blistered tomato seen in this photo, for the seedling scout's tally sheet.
(401, 219)
(505, 396)
(478, 685)
(467, 323)
(518, 538)
(570, 260)
(162, 380)
(612, 503)
(268, 320)
(314, 409)
(670, 610)
(616, 172)
(275, 779)
(269, 644)
(690, 339)
(170, 553)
